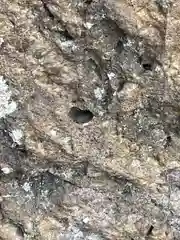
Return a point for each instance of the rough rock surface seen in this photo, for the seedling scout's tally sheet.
(89, 119)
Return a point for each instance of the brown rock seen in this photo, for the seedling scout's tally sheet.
(109, 169)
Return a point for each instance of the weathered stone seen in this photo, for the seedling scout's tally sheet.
(89, 119)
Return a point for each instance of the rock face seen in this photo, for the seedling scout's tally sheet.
(89, 120)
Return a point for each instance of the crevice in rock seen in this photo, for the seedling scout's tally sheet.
(149, 232)
(47, 10)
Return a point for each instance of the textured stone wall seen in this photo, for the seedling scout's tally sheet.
(89, 120)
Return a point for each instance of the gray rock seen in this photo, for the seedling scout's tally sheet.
(109, 169)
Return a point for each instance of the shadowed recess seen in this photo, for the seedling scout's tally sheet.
(80, 116)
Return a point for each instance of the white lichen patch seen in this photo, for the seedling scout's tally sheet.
(86, 220)
(99, 93)
(74, 234)
(60, 138)
(111, 75)
(6, 170)
(67, 44)
(129, 43)
(17, 136)
(26, 186)
(88, 25)
(6, 105)
(1, 41)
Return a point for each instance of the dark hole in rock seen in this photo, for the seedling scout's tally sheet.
(23, 152)
(80, 116)
(1, 174)
(18, 174)
(119, 46)
(168, 141)
(121, 85)
(146, 62)
(88, 1)
(159, 160)
(147, 66)
(149, 232)
(66, 36)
